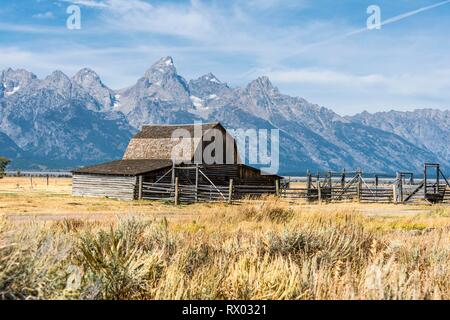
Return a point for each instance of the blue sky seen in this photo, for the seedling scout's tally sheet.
(317, 49)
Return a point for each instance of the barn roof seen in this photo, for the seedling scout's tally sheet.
(126, 167)
(165, 131)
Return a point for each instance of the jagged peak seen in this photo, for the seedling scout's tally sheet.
(264, 80)
(210, 77)
(86, 72)
(168, 61)
(58, 74)
(263, 83)
(9, 72)
(162, 66)
(88, 78)
(58, 77)
(14, 80)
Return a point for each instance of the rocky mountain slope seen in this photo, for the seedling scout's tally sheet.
(59, 123)
(65, 122)
(8, 148)
(427, 128)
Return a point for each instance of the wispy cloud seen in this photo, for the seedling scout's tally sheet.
(325, 77)
(414, 12)
(408, 84)
(44, 15)
(194, 21)
(88, 3)
(348, 34)
(31, 28)
(269, 4)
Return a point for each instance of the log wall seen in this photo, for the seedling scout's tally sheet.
(116, 187)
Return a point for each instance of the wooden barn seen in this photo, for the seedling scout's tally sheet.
(148, 171)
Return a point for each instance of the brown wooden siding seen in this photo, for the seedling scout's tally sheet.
(116, 187)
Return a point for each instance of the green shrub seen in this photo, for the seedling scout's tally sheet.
(3, 164)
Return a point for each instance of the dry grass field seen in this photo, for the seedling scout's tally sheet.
(55, 246)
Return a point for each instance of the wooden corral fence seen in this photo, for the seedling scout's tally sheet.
(345, 186)
(39, 174)
(434, 188)
(331, 187)
(182, 193)
(181, 187)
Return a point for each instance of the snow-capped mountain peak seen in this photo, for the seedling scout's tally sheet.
(90, 81)
(14, 80)
(163, 67)
(210, 77)
(86, 75)
(263, 84)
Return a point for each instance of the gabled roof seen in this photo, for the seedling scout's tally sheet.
(126, 167)
(165, 131)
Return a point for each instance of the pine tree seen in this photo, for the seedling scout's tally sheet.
(3, 163)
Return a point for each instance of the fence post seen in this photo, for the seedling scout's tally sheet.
(438, 180)
(230, 192)
(394, 187)
(358, 192)
(358, 186)
(47, 180)
(176, 199)
(401, 188)
(425, 183)
(140, 188)
(343, 179)
(277, 187)
(308, 181)
(31, 181)
(376, 188)
(399, 192)
(319, 190)
(196, 182)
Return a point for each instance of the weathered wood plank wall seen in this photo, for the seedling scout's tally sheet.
(116, 187)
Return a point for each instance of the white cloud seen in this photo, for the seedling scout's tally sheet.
(348, 93)
(44, 15)
(194, 21)
(414, 12)
(88, 3)
(31, 28)
(434, 82)
(210, 25)
(325, 77)
(268, 4)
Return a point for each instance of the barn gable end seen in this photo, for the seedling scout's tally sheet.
(155, 142)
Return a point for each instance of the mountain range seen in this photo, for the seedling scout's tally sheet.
(60, 122)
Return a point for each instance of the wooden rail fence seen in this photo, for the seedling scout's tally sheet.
(180, 193)
(328, 188)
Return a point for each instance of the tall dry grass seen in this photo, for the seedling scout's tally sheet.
(255, 251)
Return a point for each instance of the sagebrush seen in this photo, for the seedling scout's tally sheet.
(255, 251)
